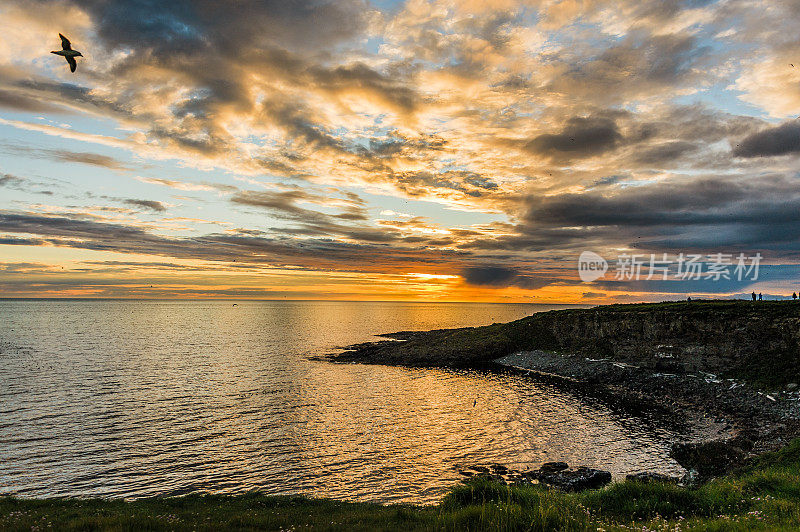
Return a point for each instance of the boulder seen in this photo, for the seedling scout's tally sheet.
(552, 467)
(582, 478)
(712, 458)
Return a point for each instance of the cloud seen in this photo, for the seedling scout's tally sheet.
(366, 252)
(67, 156)
(187, 186)
(21, 102)
(779, 140)
(12, 181)
(152, 205)
(501, 276)
(665, 153)
(283, 204)
(511, 140)
(709, 213)
(593, 295)
(580, 137)
(93, 159)
(15, 241)
(23, 185)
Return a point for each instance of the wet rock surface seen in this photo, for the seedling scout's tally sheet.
(649, 476)
(553, 474)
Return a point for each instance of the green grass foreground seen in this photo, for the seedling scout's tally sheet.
(763, 496)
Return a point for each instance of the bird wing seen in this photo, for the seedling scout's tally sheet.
(72, 64)
(65, 44)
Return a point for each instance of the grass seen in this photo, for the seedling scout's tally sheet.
(765, 495)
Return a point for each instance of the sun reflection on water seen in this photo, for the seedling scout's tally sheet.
(131, 399)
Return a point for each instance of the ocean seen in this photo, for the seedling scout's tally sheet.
(119, 398)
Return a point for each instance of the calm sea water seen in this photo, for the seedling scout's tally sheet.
(143, 398)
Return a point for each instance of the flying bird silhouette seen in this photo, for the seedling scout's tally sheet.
(68, 53)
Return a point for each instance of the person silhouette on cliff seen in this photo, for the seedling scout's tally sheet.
(754, 296)
(759, 296)
(794, 296)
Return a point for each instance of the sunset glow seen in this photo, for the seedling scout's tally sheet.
(353, 150)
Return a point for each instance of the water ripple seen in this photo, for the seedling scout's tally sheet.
(134, 399)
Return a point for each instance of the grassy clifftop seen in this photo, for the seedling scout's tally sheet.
(764, 495)
(754, 341)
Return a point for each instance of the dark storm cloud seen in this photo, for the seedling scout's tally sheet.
(696, 202)
(152, 205)
(501, 276)
(747, 213)
(779, 140)
(581, 137)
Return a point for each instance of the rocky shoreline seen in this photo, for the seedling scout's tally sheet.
(707, 363)
(553, 474)
(732, 421)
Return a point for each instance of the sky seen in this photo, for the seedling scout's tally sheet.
(454, 150)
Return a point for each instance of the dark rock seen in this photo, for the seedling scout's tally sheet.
(579, 479)
(648, 476)
(552, 467)
(553, 474)
(714, 457)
